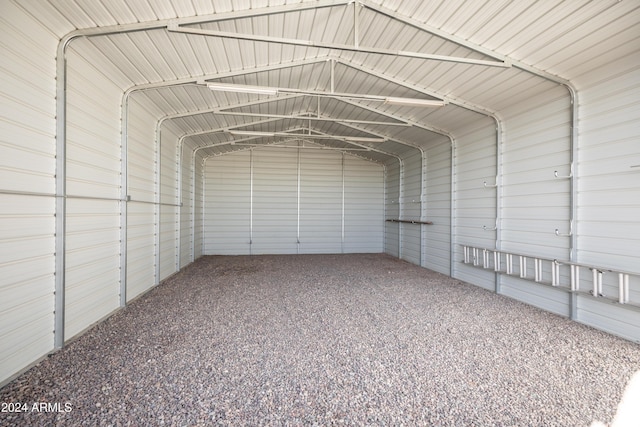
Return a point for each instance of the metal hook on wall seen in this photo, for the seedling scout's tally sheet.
(555, 173)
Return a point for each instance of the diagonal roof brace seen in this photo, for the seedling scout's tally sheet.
(174, 26)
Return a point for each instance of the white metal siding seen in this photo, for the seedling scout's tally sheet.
(321, 201)
(437, 237)
(475, 205)
(364, 206)
(411, 208)
(609, 184)
(169, 199)
(392, 208)
(92, 285)
(273, 211)
(142, 210)
(26, 280)
(609, 187)
(534, 202)
(275, 201)
(187, 206)
(199, 207)
(227, 208)
(27, 164)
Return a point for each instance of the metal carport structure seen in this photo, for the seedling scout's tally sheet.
(113, 138)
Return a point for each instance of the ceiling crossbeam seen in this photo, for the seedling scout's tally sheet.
(175, 27)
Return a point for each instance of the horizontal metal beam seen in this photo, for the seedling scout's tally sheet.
(175, 27)
(313, 118)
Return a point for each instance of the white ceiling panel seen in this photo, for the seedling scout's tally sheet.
(571, 40)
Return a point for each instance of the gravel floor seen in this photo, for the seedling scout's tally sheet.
(327, 340)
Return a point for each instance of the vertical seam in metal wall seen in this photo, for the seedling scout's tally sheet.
(156, 208)
(498, 225)
(124, 189)
(251, 201)
(573, 190)
(204, 202)
(423, 196)
(452, 209)
(298, 204)
(178, 216)
(342, 213)
(384, 207)
(400, 202)
(61, 192)
(192, 208)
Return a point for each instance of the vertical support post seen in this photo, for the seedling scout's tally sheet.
(523, 267)
(193, 206)
(61, 194)
(178, 207)
(251, 201)
(423, 213)
(452, 210)
(509, 262)
(573, 188)
(298, 203)
(497, 264)
(499, 148)
(157, 210)
(204, 194)
(124, 196)
(573, 295)
(400, 204)
(342, 208)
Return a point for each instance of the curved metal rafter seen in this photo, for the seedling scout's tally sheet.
(61, 103)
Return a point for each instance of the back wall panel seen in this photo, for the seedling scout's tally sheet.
(290, 200)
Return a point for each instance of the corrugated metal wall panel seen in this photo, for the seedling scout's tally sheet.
(199, 207)
(320, 201)
(26, 280)
(275, 201)
(187, 206)
(229, 213)
(27, 163)
(609, 317)
(92, 286)
(169, 199)
(534, 202)
(411, 208)
(609, 187)
(543, 296)
(168, 240)
(142, 212)
(141, 248)
(437, 237)
(93, 171)
(227, 204)
(364, 206)
(392, 208)
(475, 205)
